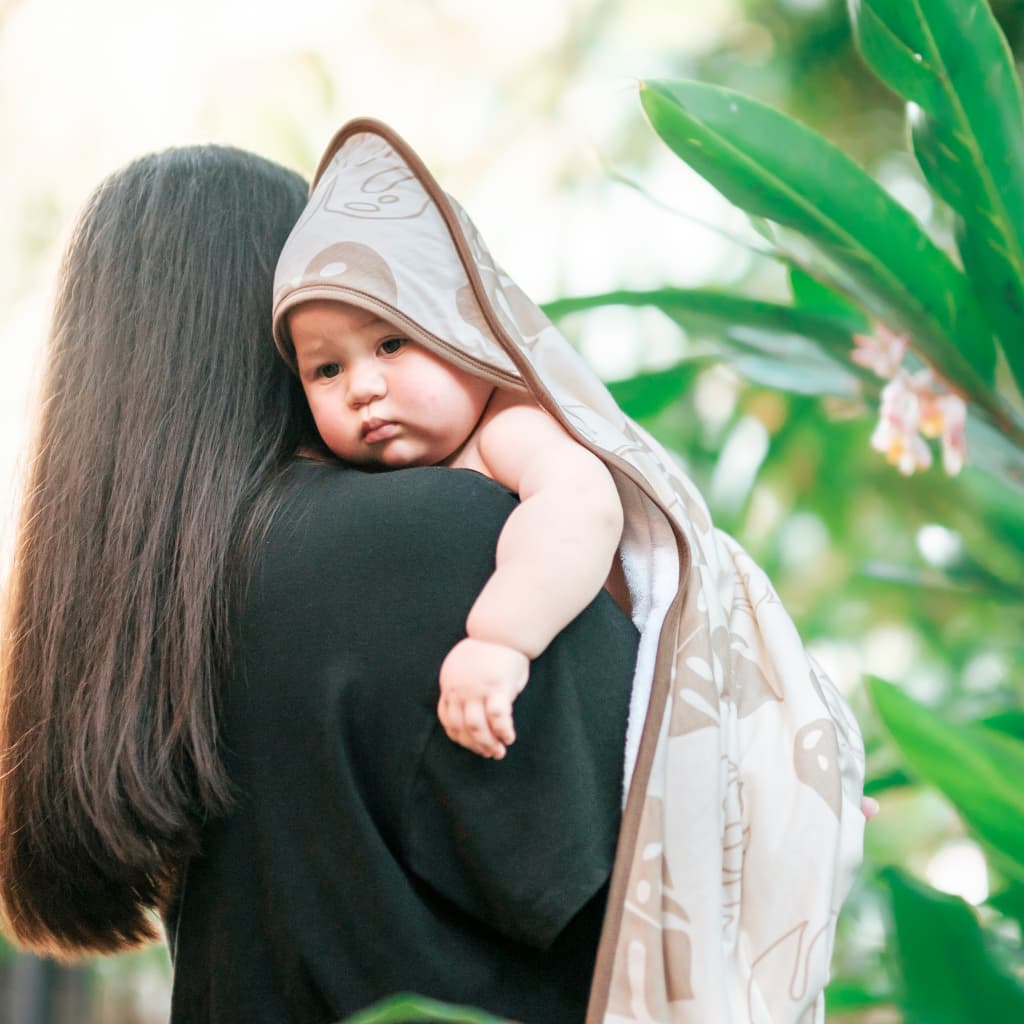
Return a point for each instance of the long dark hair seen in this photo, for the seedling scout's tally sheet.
(165, 415)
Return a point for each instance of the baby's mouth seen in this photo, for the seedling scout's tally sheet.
(376, 430)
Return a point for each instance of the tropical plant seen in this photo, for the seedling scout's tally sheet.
(929, 333)
(406, 1008)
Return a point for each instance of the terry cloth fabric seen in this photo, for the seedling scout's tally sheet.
(742, 826)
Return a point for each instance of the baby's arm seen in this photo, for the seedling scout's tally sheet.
(556, 549)
(553, 557)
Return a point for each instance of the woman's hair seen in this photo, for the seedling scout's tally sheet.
(166, 414)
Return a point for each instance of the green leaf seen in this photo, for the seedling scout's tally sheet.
(844, 996)
(996, 452)
(403, 1009)
(951, 59)
(1010, 722)
(877, 784)
(705, 309)
(971, 582)
(774, 167)
(801, 372)
(647, 394)
(998, 507)
(811, 294)
(978, 769)
(1009, 901)
(951, 974)
(798, 350)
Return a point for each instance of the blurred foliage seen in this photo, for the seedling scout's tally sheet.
(801, 57)
(918, 579)
(952, 970)
(405, 1009)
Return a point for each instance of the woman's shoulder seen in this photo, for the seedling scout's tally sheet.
(364, 571)
(380, 522)
(316, 486)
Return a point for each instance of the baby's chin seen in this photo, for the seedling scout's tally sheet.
(394, 457)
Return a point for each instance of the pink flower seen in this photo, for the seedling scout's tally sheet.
(954, 438)
(943, 415)
(919, 404)
(896, 435)
(881, 351)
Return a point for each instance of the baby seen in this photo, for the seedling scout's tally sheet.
(382, 401)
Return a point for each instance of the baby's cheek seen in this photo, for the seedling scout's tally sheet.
(341, 441)
(324, 424)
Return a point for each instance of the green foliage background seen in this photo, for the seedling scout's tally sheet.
(951, 280)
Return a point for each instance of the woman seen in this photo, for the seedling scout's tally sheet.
(220, 662)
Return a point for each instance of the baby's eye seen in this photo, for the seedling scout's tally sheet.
(389, 346)
(328, 370)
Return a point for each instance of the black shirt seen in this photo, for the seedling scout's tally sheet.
(366, 853)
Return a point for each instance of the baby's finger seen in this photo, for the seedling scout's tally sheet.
(481, 739)
(499, 717)
(444, 711)
(449, 711)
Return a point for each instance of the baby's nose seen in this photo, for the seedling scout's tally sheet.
(366, 382)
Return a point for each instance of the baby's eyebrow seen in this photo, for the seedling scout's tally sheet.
(311, 344)
(314, 351)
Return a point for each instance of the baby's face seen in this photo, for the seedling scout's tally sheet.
(378, 398)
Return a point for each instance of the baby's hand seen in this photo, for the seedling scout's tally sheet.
(479, 682)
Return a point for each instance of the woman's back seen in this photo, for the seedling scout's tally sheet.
(366, 852)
